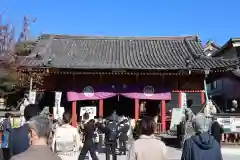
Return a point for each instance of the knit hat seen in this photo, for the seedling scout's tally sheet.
(200, 124)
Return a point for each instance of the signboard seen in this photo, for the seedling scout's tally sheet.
(32, 97)
(91, 110)
(184, 99)
(225, 123)
(235, 124)
(177, 115)
(230, 124)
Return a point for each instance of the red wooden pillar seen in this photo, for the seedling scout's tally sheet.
(179, 99)
(74, 114)
(203, 97)
(100, 108)
(1, 136)
(136, 109)
(163, 116)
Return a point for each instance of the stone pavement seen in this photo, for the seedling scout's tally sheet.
(175, 154)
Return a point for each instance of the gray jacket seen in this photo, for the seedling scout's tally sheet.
(37, 153)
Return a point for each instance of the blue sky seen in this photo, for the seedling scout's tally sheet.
(215, 19)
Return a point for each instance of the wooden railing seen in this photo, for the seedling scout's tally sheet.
(159, 128)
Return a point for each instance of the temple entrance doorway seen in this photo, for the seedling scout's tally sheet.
(120, 104)
(150, 108)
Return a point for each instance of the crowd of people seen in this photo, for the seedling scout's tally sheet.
(41, 138)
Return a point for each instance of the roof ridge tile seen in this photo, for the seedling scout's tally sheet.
(59, 36)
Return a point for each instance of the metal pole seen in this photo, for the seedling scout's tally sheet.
(205, 89)
(205, 85)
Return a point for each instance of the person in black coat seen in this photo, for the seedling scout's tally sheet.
(89, 144)
(216, 130)
(123, 137)
(201, 146)
(181, 131)
(18, 138)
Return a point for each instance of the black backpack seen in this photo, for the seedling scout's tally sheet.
(112, 133)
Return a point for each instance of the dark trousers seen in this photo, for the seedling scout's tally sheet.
(123, 146)
(6, 154)
(111, 149)
(88, 146)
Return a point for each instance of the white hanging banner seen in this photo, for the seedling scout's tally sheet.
(58, 96)
(32, 97)
(57, 111)
(183, 100)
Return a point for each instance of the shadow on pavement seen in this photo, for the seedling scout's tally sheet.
(172, 142)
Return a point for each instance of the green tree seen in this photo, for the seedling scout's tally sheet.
(8, 76)
(13, 79)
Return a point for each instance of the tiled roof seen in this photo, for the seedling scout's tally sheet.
(95, 52)
(211, 44)
(229, 44)
(210, 47)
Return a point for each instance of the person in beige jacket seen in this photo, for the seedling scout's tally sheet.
(147, 147)
(66, 140)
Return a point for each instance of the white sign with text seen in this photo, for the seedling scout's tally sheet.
(91, 110)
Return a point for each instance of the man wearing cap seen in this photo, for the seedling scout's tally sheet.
(216, 130)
